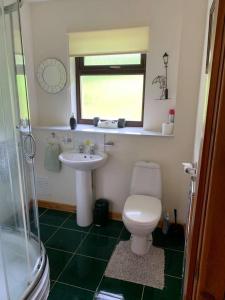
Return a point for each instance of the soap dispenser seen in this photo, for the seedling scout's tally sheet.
(73, 122)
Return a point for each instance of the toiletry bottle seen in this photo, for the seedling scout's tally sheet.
(171, 115)
(73, 122)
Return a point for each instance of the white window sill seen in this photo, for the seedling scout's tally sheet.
(137, 131)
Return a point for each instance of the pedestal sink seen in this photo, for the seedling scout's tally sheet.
(83, 165)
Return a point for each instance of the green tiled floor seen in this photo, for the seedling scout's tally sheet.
(78, 258)
(129, 290)
(65, 239)
(113, 229)
(47, 231)
(83, 272)
(53, 217)
(98, 246)
(66, 292)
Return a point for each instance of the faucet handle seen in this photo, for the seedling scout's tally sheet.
(81, 148)
(92, 149)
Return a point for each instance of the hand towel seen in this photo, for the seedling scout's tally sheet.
(52, 162)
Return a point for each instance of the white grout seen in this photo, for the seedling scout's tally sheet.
(103, 235)
(92, 257)
(176, 277)
(76, 286)
(143, 290)
(58, 227)
(57, 249)
(72, 256)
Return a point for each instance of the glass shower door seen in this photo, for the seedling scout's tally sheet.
(20, 248)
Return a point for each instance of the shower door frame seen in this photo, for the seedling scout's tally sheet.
(21, 137)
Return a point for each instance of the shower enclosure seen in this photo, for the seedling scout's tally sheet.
(24, 272)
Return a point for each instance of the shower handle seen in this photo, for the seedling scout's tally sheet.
(29, 137)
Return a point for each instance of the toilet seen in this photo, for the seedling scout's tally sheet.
(143, 208)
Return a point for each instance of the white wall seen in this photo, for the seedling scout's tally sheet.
(177, 27)
(203, 93)
(52, 20)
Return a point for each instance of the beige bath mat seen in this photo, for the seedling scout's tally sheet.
(147, 270)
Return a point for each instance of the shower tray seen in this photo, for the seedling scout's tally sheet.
(22, 283)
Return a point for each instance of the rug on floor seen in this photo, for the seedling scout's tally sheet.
(146, 270)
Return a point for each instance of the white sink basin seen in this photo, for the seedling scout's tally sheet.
(81, 161)
(83, 164)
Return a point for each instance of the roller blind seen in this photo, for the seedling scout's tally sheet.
(126, 40)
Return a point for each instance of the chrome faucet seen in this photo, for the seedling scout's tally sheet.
(92, 149)
(81, 148)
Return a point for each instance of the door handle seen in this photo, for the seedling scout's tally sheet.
(190, 168)
(29, 154)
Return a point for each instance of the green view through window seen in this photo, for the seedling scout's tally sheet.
(111, 87)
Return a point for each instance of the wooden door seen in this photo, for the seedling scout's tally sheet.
(205, 262)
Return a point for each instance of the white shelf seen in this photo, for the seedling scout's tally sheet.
(137, 131)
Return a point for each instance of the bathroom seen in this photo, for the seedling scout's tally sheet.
(51, 197)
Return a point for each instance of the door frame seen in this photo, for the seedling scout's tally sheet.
(205, 264)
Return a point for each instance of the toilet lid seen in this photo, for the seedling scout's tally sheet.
(142, 209)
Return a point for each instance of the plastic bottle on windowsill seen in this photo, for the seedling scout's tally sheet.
(73, 122)
(171, 116)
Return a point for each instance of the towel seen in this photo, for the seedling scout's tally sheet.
(51, 161)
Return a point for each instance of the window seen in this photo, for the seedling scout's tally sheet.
(111, 87)
(21, 87)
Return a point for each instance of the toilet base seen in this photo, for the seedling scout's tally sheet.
(140, 245)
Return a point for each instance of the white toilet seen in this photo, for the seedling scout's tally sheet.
(143, 208)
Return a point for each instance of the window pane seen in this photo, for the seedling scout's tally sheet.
(112, 96)
(21, 86)
(115, 59)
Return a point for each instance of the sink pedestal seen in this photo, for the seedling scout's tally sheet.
(84, 197)
(83, 163)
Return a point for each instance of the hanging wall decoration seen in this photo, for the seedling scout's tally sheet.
(162, 79)
(51, 75)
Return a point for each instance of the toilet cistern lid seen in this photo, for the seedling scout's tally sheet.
(143, 209)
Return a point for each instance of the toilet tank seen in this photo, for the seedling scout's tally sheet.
(146, 179)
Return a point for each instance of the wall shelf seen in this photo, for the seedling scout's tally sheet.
(136, 131)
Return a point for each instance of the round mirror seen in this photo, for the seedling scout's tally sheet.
(51, 75)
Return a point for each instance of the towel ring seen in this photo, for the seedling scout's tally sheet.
(53, 137)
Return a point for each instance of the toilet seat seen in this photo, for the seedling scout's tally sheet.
(142, 210)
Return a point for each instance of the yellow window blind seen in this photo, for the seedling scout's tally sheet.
(114, 41)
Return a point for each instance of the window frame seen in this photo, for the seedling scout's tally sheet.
(81, 69)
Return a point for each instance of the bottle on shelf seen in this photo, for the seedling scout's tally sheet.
(171, 116)
(73, 122)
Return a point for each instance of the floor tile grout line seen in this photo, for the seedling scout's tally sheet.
(103, 235)
(72, 256)
(92, 257)
(46, 209)
(58, 228)
(76, 286)
(176, 277)
(100, 281)
(143, 290)
(55, 226)
(57, 249)
(103, 275)
(96, 290)
(171, 249)
(70, 229)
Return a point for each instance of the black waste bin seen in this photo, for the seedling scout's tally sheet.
(101, 212)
